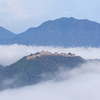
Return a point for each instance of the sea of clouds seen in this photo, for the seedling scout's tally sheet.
(12, 53)
(80, 83)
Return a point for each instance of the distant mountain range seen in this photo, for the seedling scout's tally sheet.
(35, 68)
(66, 32)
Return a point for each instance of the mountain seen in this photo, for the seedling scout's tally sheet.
(36, 68)
(5, 35)
(66, 32)
(1, 67)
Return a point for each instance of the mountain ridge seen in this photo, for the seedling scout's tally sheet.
(46, 53)
(6, 34)
(66, 32)
(29, 71)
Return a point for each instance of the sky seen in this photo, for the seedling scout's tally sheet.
(79, 83)
(19, 15)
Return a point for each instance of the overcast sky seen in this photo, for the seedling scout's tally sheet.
(19, 15)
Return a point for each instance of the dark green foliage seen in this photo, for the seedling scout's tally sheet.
(27, 72)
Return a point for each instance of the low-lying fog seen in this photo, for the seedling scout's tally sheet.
(11, 53)
(80, 83)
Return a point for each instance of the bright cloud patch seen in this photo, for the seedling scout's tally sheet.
(11, 53)
(81, 83)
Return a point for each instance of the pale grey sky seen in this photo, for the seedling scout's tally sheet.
(19, 15)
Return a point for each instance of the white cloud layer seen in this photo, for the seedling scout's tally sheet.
(81, 83)
(11, 53)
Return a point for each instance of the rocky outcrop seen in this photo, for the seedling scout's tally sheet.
(46, 53)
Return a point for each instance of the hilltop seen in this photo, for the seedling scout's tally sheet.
(37, 67)
(46, 53)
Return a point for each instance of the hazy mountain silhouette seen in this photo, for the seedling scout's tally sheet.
(5, 34)
(65, 32)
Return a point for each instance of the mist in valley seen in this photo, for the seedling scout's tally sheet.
(12, 53)
(80, 83)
